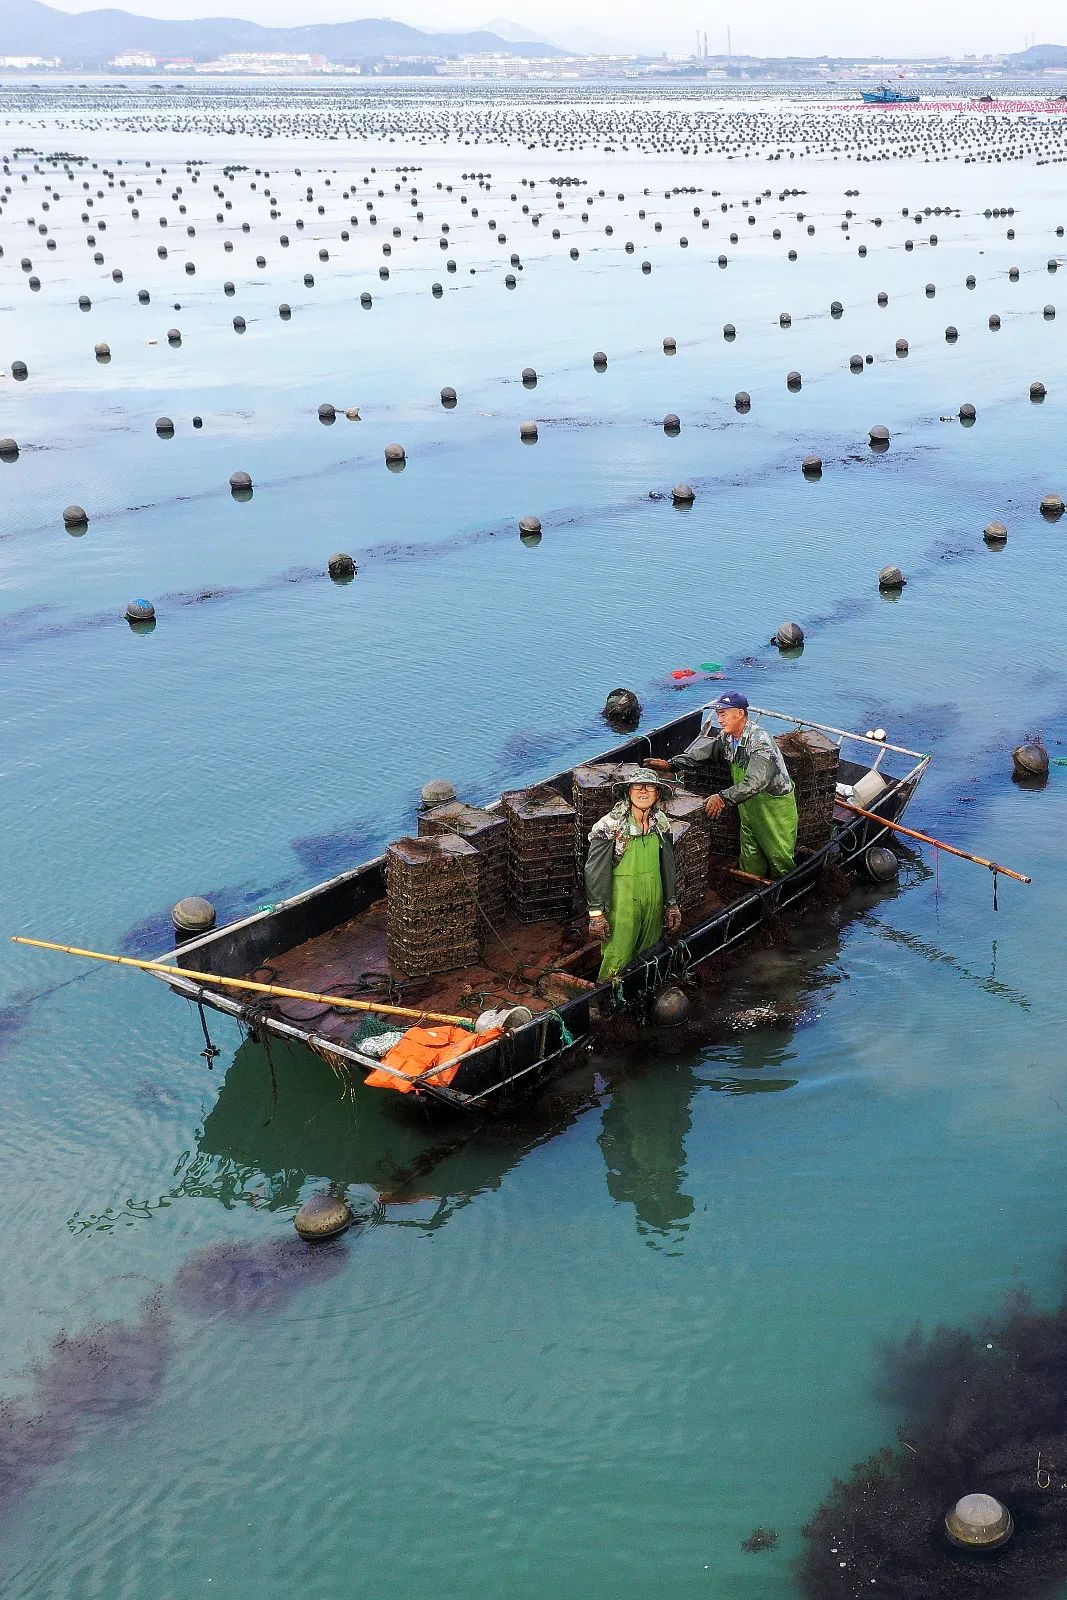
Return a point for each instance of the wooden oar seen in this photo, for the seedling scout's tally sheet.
(926, 838)
(214, 979)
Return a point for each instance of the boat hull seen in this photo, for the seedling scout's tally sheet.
(517, 1064)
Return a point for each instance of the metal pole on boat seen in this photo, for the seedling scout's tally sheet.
(214, 979)
(939, 844)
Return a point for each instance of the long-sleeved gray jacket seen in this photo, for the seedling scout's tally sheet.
(757, 753)
(608, 839)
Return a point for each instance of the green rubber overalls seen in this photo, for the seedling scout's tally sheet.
(636, 904)
(768, 831)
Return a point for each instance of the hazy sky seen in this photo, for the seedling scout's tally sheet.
(771, 26)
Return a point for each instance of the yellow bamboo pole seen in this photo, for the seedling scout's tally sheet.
(214, 979)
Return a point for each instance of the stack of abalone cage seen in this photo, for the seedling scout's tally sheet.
(432, 911)
(811, 760)
(540, 854)
(488, 832)
(711, 777)
(596, 788)
(691, 829)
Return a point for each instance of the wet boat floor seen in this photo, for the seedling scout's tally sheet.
(530, 964)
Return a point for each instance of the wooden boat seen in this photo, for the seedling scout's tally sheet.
(333, 937)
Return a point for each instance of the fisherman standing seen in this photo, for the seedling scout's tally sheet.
(631, 877)
(762, 789)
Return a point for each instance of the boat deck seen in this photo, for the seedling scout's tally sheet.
(530, 964)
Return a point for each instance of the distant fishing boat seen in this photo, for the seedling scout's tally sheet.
(885, 96)
(334, 936)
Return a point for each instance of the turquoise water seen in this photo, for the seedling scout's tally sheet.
(587, 1353)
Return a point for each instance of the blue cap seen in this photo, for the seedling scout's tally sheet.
(732, 700)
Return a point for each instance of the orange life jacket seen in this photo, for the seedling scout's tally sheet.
(423, 1048)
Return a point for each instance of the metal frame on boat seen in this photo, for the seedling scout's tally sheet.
(520, 1060)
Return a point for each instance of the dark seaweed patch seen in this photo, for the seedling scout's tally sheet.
(105, 1373)
(985, 1412)
(760, 1539)
(240, 1280)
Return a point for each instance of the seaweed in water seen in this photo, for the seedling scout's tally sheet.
(241, 1280)
(108, 1370)
(760, 1539)
(105, 1373)
(985, 1413)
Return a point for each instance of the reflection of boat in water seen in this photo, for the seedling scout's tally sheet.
(334, 936)
(282, 1120)
(885, 96)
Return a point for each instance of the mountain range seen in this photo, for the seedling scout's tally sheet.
(575, 41)
(91, 38)
(1040, 55)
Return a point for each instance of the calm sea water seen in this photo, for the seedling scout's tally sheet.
(588, 1354)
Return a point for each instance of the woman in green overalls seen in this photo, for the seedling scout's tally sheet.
(631, 878)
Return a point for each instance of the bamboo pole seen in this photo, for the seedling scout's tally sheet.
(926, 838)
(749, 877)
(213, 979)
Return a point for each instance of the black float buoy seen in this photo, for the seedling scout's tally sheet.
(978, 1522)
(324, 1216)
(790, 636)
(240, 481)
(1030, 761)
(530, 525)
(891, 578)
(341, 567)
(395, 455)
(75, 517)
(683, 494)
(192, 916)
(438, 792)
(140, 611)
(811, 466)
(881, 864)
(995, 533)
(622, 708)
(671, 1007)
